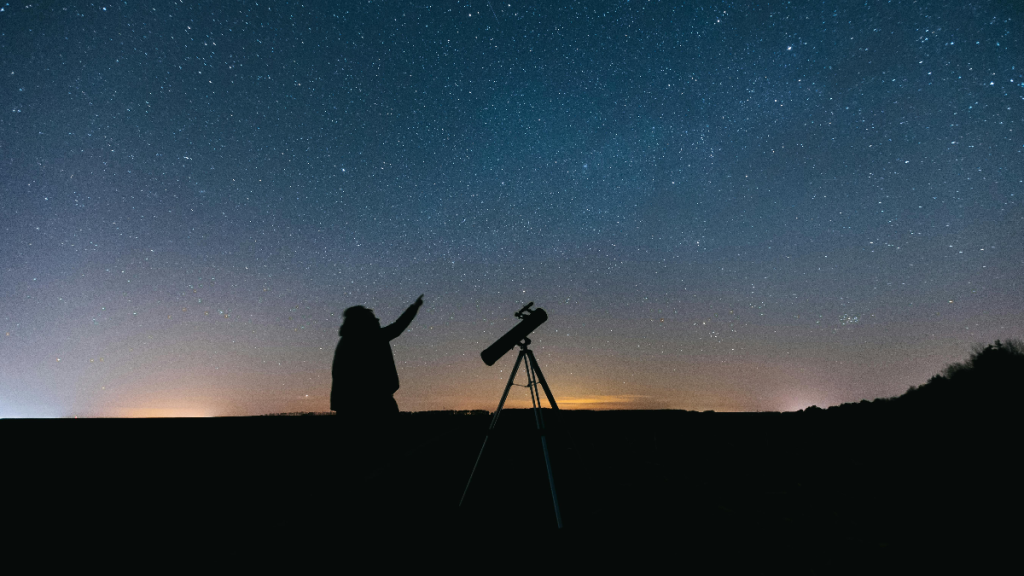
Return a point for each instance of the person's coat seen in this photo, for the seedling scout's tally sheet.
(364, 372)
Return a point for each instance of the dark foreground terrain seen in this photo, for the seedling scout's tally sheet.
(935, 467)
(832, 480)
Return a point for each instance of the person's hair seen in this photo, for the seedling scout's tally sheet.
(357, 319)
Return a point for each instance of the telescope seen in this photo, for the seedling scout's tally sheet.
(530, 319)
(535, 382)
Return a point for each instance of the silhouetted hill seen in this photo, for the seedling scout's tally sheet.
(989, 382)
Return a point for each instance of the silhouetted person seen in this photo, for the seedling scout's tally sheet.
(365, 379)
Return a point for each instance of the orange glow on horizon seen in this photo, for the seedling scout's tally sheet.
(150, 412)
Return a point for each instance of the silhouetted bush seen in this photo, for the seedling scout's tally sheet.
(990, 380)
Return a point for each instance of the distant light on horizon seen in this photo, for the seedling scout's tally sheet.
(172, 412)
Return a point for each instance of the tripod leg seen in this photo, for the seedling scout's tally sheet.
(533, 373)
(551, 480)
(547, 391)
(494, 422)
(511, 379)
(543, 382)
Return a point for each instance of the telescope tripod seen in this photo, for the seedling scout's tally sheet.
(533, 377)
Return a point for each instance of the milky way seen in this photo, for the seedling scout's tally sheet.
(719, 206)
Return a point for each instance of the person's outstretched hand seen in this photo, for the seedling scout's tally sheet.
(418, 302)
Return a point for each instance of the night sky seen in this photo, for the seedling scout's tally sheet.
(719, 206)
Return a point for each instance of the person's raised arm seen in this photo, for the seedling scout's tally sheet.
(393, 330)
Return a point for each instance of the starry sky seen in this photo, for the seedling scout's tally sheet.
(721, 206)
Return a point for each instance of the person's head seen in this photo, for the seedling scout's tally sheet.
(358, 320)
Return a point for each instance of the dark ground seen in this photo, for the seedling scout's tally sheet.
(842, 482)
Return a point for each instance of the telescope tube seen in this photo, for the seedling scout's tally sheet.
(513, 336)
